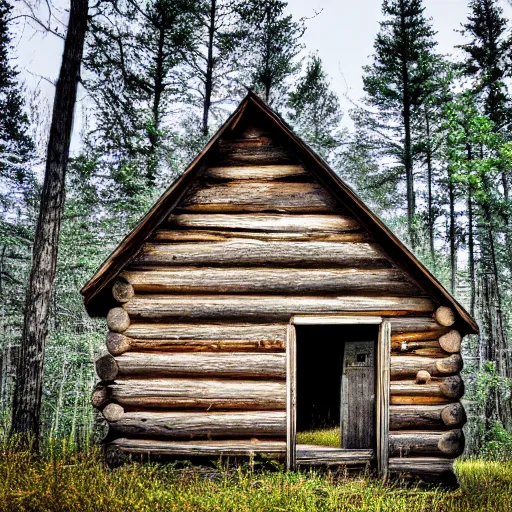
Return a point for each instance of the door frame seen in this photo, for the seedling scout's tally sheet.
(382, 382)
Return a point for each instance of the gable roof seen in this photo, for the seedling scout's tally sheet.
(96, 291)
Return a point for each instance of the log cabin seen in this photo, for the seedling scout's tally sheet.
(260, 300)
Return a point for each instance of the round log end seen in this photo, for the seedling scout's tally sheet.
(114, 456)
(452, 443)
(423, 377)
(118, 320)
(99, 396)
(452, 387)
(122, 291)
(451, 341)
(112, 412)
(107, 367)
(444, 316)
(452, 364)
(454, 415)
(117, 343)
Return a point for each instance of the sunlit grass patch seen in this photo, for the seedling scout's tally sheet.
(320, 437)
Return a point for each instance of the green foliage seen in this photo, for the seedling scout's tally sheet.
(314, 110)
(270, 47)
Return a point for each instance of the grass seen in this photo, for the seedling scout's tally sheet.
(320, 437)
(80, 482)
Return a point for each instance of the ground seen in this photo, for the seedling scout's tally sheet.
(72, 482)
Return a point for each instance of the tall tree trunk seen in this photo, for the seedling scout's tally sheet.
(408, 166)
(27, 398)
(453, 248)
(471, 237)
(430, 198)
(159, 87)
(209, 68)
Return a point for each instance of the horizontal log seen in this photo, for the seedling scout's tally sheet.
(120, 344)
(107, 368)
(205, 394)
(190, 425)
(427, 443)
(253, 151)
(251, 252)
(242, 447)
(202, 364)
(436, 466)
(420, 328)
(419, 400)
(444, 316)
(403, 367)
(267, 222)
(100, 396)
(269, 307)
(426, 416)
(112, 412)
(257, 196)
(450, 387)
(309, 455)
(251, 332)
(429, 348)
(256, 172)
(199, 235)
(268, 280)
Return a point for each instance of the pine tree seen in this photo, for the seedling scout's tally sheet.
(135, 53)
(314, 109)
(16, 146)
(395, 91)
(270, 46)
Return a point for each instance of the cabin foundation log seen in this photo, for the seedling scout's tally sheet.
(427, 443)
(431, 469)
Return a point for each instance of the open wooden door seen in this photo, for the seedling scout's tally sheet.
(358, 408)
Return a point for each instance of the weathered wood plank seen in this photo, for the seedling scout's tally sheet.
(201, 364)
(190, 425)
(250, 252)
(267, 280)
(256, 172)
(403, 367)
(268, 222)
(268, 307)
(199, 235)
(405, 329)
(206, 394)
(257, 196)
(309, 455)
(242, 447)
(253, 332)
(261, 150)
(426, 416)
(441, 469)
(427, 443)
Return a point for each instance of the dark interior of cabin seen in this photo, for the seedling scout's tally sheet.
(320, 360)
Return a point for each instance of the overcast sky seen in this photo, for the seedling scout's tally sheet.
(343, 33)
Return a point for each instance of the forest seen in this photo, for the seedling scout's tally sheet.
(428, 146)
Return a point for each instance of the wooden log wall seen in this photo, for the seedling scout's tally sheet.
(197, 341)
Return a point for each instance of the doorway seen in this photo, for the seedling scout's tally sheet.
(336, 385)
(338, 382)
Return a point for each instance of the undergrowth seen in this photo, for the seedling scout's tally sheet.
(59, 481)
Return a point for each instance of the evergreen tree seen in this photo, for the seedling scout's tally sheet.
(135, 53)
(270, 46)
(395, 90)
(16, 146)
(314, 109)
